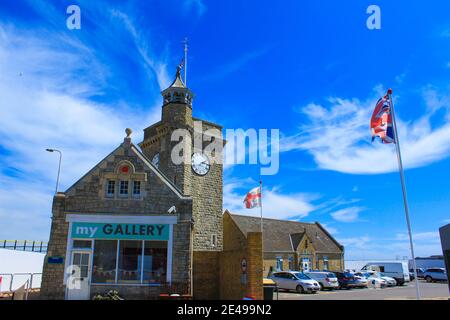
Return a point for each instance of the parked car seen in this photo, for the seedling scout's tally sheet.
(326, 280)
(419, 271)
(435, 274)
(373, 279)
(361, 282)
(346, 280)
(391, 282)
(394, 269)
(294, 280)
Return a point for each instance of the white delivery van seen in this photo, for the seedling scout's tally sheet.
(394, 269)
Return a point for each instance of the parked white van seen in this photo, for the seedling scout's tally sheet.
(394, 269)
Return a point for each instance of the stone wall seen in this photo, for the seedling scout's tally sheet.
(52, 284)
(128, 292)
(206, 275)
(234, 283)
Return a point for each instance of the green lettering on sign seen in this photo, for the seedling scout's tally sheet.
(84, 230)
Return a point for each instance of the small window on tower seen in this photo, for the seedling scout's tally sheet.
(136, 188)
(214, 240)
(110, 188)
(123, 190)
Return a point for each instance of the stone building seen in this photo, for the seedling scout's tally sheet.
(147, 220)
(138, 221)
(291, 245)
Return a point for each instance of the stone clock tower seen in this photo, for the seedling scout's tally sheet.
(198, 177)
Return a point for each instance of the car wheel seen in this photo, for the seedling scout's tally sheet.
(300, 289)
(429, 279)
(321, 287)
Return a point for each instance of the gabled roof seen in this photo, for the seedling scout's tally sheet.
(285, 235)
(296, 238)
(142, 157)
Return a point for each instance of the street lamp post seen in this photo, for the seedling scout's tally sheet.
(59, 167)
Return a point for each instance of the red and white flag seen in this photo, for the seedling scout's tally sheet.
(253, 198)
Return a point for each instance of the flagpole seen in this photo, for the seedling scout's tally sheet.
(185, 60)
(260, 209)
(405, 200)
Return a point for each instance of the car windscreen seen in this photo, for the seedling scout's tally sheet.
(301, 276)
(331, 275)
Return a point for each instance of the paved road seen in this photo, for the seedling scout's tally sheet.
(434, 291)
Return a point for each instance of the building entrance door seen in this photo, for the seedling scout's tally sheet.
(78, 283)
(306, 264)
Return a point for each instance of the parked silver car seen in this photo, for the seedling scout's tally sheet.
(326, 280)
(294, 280)
(435, 274)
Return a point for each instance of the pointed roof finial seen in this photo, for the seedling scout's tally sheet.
(128, 131)
(178, 83)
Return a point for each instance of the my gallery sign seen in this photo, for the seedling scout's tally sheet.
(83, 230)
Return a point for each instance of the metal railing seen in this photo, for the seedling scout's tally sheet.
(24, 245)
(12, 275)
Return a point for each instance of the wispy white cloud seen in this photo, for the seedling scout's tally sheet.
(194, 5)
(334, 231)
(276, 204)
(338, 136)
(349, 214)
(226, 68)
(45, 86)
(355, 242)
(419, 236)
(373, 247)
(154, 66)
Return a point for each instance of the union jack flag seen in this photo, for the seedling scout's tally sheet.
(381, 121)
(253, 198)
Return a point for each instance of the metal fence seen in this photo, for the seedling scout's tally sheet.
(19, 277)
(24, 245)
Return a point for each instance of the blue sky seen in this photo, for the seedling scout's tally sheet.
(312, 70)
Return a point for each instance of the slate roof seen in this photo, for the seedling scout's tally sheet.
(284, 235)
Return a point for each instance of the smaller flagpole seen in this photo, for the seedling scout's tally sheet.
(405, 199)
(260, 207)
(262, 222)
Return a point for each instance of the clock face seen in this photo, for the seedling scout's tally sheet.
(200, 163)
(155, 160)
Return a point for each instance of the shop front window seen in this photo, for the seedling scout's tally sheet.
(130, 261)
(155, 261)
(104, 269)
(127, 261)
